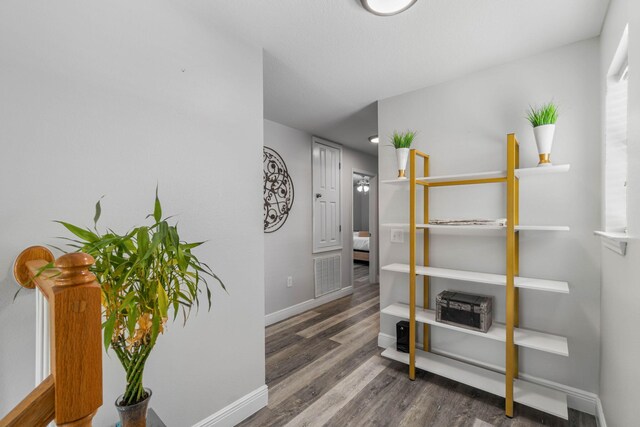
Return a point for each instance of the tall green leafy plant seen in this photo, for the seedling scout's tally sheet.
(403, 139)
(547, 114)
(147, 275)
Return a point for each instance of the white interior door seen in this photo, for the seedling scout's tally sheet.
(373, 230)
(327, 228)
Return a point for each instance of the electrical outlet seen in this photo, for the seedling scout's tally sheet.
(397, 236)
(289, 282)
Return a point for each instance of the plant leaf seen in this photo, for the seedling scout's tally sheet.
(157, 209)
(96, 217)
(163, 300)
(143, 239)
(155, 329)
(86, 235)
(132, 319)
(108, 329)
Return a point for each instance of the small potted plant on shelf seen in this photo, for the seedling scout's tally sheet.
(146, 275)
(402, 142)
(543, 119)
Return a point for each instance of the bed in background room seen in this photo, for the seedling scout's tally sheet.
(361, 246)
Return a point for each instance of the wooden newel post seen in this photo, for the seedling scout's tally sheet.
(76, 344)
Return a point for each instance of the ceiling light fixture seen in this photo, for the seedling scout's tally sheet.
(374, 139)
(387, 7)
(363, 185)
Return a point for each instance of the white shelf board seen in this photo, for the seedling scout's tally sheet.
(489, 278)
(520, 173)
(456, 177)
(465, 176)
(616, 241)
(618, 236)
(543, 228)
(524, 338)
(445, 227)
(480, 227)
(542, 170)
(528, 394)
(395, 181)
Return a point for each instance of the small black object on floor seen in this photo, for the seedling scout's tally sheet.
(402, 334)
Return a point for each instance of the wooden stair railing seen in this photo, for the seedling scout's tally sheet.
(72, 394)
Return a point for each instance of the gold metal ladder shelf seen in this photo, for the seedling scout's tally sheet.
(506, 385)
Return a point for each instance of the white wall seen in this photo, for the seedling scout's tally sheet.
(288, 251)
(463, 125)
(619, 370)
(112, 98)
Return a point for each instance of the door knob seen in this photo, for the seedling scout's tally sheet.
(318, 195)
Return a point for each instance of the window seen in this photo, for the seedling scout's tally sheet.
(615, 175)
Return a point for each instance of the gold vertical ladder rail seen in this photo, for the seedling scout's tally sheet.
(413, 231)
(516, 266)
(426, 342)
(412, 265)
(511, 293)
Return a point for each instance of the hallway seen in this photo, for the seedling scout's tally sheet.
(324, 369)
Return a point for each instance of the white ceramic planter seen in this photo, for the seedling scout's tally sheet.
(402, 154)
(544, 141)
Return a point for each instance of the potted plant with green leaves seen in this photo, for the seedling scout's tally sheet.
(543, 119)
(147, 275)
(402, 142)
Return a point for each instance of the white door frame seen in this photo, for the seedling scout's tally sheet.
(372, 233)
(374, 230)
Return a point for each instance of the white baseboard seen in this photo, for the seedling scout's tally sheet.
(580, 400)
(600, 415)
(386, 340)
(294, 310)
(237, 411)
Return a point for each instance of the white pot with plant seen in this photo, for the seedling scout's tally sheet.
(543, 119)
(402, 142)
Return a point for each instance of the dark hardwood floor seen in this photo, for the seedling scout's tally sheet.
(360, 273)
(324, 369)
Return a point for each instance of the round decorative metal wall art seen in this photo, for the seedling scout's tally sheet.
(278, 191)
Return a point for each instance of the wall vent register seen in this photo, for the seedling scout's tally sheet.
(328, 273)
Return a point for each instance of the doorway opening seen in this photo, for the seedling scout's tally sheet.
(363, 228)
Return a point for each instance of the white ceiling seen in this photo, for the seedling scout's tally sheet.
(327, 62)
